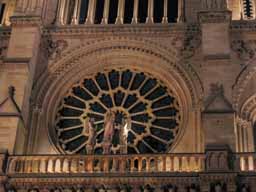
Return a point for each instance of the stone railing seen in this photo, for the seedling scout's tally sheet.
(128, 164)
(51, 164)
(246, 162)
(119, 12)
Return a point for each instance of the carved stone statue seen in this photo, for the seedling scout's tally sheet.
(245, 188)
(192, 188)
(108, 131)
(218, 188)
(171, 189)
(102, 189)
(109, 126)
(91, 132)
(124, 128)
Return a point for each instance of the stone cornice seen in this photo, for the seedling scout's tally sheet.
(141, 29)
(27, 21)
(97, 180)
(243, 25)
(5, 32)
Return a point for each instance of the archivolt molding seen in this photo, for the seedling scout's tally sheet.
(94, 56)
(240, 85)
(130, 43)
(169, 54)
(248, 110)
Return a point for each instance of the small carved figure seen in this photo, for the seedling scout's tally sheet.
(192, 188)
(171, 189)
(102, 189)
(218, 188)
(55, 48)
(223, 163)
(245, 188)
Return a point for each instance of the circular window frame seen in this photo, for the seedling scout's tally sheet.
(148, 127)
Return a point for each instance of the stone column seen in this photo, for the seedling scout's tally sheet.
(91, 12)
(150, 18)
(181, 16)
(76, 12)
(135, 12)
(66, 12)
(60, 13)
(1, 19)
(106, 12)
(165, 15)
(120, 13)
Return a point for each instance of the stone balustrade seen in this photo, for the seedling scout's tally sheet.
(246, 162)
(106, 164)
(119, 11)
(126, 164)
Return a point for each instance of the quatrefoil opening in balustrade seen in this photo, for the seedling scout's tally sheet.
(147, 114)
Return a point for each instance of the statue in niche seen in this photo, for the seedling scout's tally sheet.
(91, 132)
(192, 188)
(102, 189)
(245, 188)
(218, 187)
(171, 189)
(223, 163)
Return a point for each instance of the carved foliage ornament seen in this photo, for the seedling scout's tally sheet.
(3, 48)
(245, 49)
(55, 48)
(192, 42)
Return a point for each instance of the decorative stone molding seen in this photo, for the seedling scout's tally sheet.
(10, 98)
(248, 110)
(55, 48)
(218, 158)
(34, 21)
(243, 25)
(214, 4)
(245, 49)
(216, 101)
(3, 49)
(191, 44)
(242, 80)
(215, 17)
(28, 7)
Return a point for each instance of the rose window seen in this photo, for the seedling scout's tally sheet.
(129, 111)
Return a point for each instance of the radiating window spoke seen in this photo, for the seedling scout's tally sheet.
(150, 108)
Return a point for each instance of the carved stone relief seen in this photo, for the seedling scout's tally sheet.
(245, 49)
(55, 48)
(3, 48)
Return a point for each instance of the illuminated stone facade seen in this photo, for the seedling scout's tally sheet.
(127, 95)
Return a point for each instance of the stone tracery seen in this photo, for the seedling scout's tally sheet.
(142, 111)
